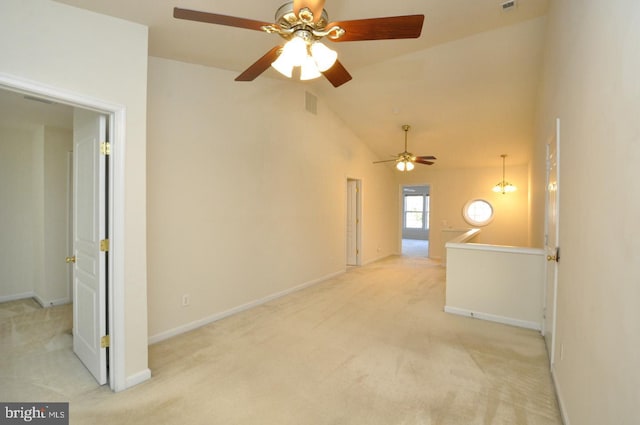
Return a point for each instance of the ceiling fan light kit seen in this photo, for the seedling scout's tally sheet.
(303, 51)
(406, 161)
(504, 186)
(404, 165)
(303, 23)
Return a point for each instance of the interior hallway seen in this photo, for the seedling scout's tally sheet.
(371, 346)
(415, 248)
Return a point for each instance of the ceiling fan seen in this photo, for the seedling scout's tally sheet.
(303, 23)
(405, 160)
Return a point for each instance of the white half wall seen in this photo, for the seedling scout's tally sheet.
(498, 283)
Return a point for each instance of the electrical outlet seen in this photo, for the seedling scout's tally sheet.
(185, 300)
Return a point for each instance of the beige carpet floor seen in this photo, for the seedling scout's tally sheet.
(372, 346)
(415, 248)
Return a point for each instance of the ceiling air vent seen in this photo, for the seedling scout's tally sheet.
(508, 5)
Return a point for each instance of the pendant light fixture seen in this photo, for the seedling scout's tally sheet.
(503, 186)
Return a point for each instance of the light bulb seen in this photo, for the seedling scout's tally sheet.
(410, 166)
(400, 165)
(324, 56)
(309, 70)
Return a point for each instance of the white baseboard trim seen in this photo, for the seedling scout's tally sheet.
(561, 405)
(61, 301)
(16, 297)
(53, 303)
(138, 378)
(366, 263)
(40, 301)
(213, 318)
(493, 318)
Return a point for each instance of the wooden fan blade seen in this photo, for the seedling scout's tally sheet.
(316, 7)
(389, 28)
(261, 65)
(423, 161)
(426, 158)
(337, 74)
(214, 18)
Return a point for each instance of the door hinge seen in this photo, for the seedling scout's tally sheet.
(105, 341)
(104, 245)
(105, 148)
(357, 251)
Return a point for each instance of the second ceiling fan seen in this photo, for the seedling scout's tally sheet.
(405, 160)
(303, 23)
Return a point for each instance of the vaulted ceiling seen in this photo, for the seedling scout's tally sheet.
(467, 86)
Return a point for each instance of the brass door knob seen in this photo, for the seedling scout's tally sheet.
(551, 258)
(70, 259)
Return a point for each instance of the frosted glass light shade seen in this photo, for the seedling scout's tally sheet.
(405, 165)
(282, 66)
(294, 53)
(309, 70)
(323, 56)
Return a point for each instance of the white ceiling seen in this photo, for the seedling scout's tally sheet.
(467, 86)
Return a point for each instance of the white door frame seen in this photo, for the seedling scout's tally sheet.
(358, 226)
(401, 216)
(116, 113)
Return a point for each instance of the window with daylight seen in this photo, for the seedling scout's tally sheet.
(416, 212)
(478, 212)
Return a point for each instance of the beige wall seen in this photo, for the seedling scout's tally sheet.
(33, 168)
(591, 83)
(17, 215)
(452, 188)
(247, 193)
(102, 58)
(57, 144)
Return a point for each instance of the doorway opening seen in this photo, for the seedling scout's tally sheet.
(45, 123)
(415, 207)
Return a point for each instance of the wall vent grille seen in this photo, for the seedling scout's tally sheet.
(311, 103)
(508, 5)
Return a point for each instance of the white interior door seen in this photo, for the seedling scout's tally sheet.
(551, 240)
(352, 222)
(89, 228)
